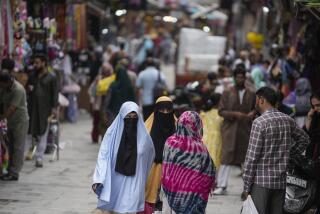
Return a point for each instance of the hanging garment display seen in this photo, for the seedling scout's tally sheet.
(10, 27)
(2, 41)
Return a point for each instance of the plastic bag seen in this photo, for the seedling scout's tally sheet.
(72, 88)
(63, 101)
(104, 84)
(248, 207)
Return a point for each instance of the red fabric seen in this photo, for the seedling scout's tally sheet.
(95, 127)
(148, 208)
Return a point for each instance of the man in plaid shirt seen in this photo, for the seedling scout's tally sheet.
(274, 137)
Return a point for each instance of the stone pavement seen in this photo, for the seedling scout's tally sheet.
(230, 203)
(64, 187)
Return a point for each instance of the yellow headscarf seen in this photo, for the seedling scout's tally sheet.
(149, 121)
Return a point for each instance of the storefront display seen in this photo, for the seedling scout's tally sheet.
(76, 26)
(6, 28)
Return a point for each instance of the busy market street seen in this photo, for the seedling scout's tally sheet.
(63, 187)
(160, 106)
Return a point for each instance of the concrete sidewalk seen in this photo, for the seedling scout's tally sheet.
(64, 187)
(230, 203)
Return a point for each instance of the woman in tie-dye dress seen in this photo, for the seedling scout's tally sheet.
(188, 172)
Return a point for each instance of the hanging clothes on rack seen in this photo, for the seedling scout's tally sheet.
(2, 42)
(9, 27)
(5, 26)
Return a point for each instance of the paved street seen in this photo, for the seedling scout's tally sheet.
(64, 187)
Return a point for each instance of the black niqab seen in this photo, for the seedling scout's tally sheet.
(163, 127)
(127, 152)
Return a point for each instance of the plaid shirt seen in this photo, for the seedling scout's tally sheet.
(274, 136)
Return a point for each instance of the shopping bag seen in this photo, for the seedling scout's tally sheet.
(248, 207)
(63, 101)
(72, 88)
(104, 84)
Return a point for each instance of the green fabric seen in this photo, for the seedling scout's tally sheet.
(43, 98)
(121, 90)
(258, 78)
(16, 96)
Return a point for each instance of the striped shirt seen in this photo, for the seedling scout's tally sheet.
(274, 137)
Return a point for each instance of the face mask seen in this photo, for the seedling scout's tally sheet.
(165, 118)
(130, 123)
(163, 126)
(127, 152)
(130, 131)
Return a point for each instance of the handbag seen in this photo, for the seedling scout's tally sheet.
(249, 207)
(72, 88)
(300, 192)
(104, 84)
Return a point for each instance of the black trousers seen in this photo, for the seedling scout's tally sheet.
(268, 201)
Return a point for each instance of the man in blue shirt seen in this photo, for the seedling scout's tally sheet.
(146, 82)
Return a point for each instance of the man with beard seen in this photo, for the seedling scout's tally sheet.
(274, 137)
(43, 102)
(313, 129)
(237, 109)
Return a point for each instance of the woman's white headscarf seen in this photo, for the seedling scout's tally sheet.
(105, 168)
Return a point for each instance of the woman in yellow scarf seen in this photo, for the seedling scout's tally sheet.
(161, 125)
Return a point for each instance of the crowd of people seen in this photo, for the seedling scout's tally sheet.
(27, 111)
(256, 115)
(253, 118)
(47, 89)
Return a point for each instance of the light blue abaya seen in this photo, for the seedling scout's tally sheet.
(123, 194)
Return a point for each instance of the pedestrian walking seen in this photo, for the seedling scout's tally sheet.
(161, 124)
(237, 109)
(132, 75)
(43, 103)
(274, 137)
(259, 74)
(124, 162)
(282, 107)
(313, 129)
(212, 123)
(120, 91)
(96, 100)
(146, 82)
(300, 100)
(188, 172)
(14, 102)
